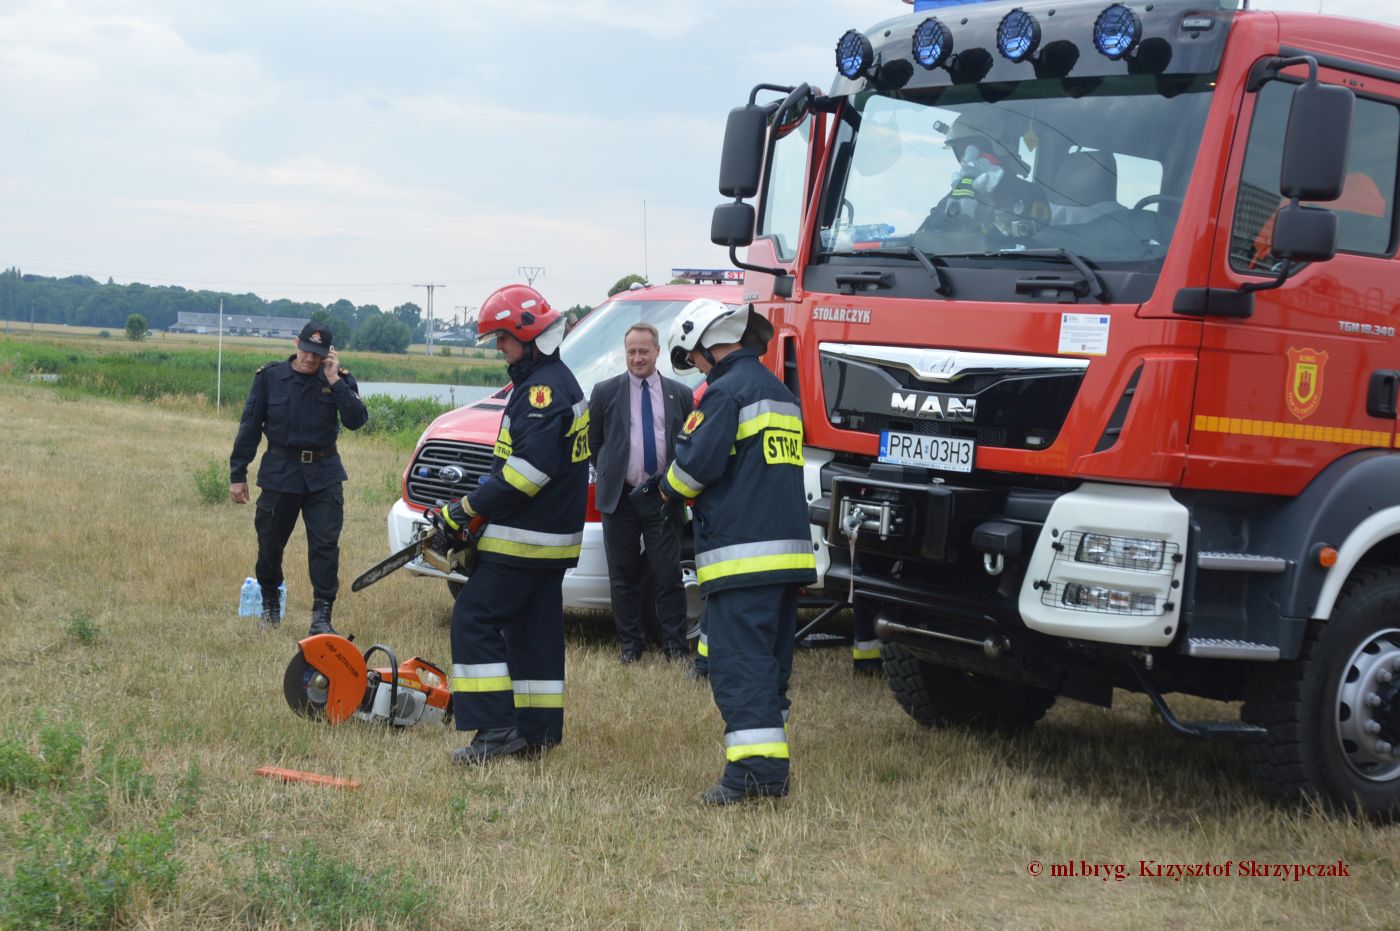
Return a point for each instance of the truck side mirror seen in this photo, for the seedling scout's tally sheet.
(1305, 234)
(741, 161)
(1316, 143)
(732, 225)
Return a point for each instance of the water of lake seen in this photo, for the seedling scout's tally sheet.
(456, 395)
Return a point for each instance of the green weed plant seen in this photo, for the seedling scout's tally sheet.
(211, 482)
(77, 863)
(312, 886)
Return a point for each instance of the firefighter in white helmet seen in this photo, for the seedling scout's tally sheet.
(739, 458)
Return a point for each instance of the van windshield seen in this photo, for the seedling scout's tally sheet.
(593, 350)
(1097, 168)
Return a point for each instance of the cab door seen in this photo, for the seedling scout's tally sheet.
(1304, 380)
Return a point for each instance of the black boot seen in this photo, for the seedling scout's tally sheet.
(320, 618)
(721, 794)
(271, 609)
(489, 745)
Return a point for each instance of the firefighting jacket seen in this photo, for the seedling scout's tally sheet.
(301, 416)
(739, 456)
(536, 493)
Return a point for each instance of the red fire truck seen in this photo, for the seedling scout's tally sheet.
(1093, 309)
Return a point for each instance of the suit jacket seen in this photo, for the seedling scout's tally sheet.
(610, 427)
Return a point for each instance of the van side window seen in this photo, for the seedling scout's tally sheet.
(1366, 209)
(781, 215)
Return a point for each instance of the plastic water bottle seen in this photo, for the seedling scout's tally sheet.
(282, 600)
(247, 598)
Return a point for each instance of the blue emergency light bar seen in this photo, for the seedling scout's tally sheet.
(1116, 33)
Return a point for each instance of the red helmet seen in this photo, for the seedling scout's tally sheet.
(519, 310)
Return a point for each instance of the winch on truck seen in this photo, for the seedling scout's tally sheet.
(1091, 310)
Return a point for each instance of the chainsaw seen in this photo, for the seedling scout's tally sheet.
(330, 679)
(432, 547)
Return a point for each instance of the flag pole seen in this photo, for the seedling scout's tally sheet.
(219, 377)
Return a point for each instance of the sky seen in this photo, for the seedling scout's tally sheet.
(326, 149)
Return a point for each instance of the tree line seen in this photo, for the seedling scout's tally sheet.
(79, 300)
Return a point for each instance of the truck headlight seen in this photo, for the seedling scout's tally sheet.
(1120, 552)
(1103, 598)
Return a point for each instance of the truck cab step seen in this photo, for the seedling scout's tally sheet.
(1241, 562)
(1213, 648)
(1235, 730)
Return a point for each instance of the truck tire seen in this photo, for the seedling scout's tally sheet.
(1333, 714)
(939, 696)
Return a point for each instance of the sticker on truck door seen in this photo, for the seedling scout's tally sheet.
(1084, 334)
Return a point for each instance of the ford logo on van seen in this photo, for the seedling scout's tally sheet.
(452, 474)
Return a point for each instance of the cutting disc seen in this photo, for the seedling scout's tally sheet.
(305, 688)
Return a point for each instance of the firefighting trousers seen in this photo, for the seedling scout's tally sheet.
(508, 652)
(750, 633)
(322, 512)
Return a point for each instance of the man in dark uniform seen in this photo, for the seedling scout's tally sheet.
(739, 457)
(508, 621)
(299, 404)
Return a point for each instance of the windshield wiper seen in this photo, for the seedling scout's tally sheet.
(1091, 277)
(941, 287)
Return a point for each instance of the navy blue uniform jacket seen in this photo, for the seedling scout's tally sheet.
(297, 412)
(739, 456)
(538, 487)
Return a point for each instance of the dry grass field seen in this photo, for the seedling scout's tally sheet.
(140, 703)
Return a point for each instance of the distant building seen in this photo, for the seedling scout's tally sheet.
(238, 325)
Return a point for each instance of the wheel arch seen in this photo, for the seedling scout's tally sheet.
(1352, 505)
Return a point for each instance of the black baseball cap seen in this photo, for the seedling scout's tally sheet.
(315, 338)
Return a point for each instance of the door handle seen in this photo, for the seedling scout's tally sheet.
(1381, 393)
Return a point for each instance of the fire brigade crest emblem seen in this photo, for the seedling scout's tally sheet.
(692, 422)
(1304, 381)
(540, 396)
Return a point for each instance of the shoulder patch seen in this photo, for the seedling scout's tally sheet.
(264, 367)
(541, 396)
(344, 372)
(692, 422)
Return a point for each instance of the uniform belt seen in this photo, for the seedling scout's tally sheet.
(302, 455)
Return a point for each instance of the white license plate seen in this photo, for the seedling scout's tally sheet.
(948, 453)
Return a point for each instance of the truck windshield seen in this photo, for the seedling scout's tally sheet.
(1098, 170)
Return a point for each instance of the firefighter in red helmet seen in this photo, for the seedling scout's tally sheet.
(508, 620)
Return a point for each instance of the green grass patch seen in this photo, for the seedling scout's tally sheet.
(116, 371)
(211, 482)
(401, 420)
(83, 629)
(78, 860)
(314, 887)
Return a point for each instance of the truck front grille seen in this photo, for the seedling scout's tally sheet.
(1015, 402)
(426, 485)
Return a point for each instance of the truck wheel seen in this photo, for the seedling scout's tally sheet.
(941, 696)
(1333, 715)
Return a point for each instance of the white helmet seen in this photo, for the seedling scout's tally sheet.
(703, 323)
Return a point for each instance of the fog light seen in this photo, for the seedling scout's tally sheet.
(1098, 597)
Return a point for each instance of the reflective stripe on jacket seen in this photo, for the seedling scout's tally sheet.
(740, 459)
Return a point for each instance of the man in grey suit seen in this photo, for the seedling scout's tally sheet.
(633, 421)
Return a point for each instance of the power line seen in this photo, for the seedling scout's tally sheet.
(531, 272)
